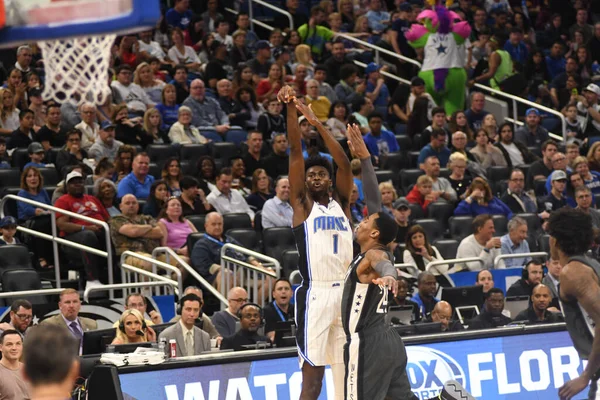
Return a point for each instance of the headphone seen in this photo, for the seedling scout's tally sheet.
(188, 297)
(260, 312)
(525, 271)
(122, 324)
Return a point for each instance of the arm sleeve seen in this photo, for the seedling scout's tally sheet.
(24, 210)
(370, 187)
(124, 189)
(407, 258)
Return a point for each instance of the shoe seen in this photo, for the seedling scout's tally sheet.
(90, 284)
(454, 391)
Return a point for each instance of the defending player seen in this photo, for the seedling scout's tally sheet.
(323, 234)
(571, 236)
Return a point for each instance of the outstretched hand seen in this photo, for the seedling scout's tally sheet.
(356, 142)
(389, 282)
(571, 388)
(307, 111)
(286, 94)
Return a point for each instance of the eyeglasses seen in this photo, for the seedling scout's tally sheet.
(239, 300)
(559, 159)
(518, 180)
(24, 317)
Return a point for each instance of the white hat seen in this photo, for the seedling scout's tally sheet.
(73, 174)
(592, 87)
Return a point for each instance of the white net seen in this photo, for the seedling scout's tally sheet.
(77, 68)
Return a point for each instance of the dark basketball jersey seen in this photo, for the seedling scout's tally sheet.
(579, 323)
(364, 305)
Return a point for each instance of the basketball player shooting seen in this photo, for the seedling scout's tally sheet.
(323, 234)
(571, 236)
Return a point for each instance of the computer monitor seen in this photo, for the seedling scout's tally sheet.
(94, 342)
(130, 347)
(285, 334)
(428, 328)
(516, 304)
(466, 313)
(463, 296)
(399, 315)
(405, 330)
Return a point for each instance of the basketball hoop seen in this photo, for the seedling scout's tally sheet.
(76, 39)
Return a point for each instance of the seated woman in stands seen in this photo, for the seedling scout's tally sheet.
(590, 178)
(261, 190)
(193, 199)
(490, 126)
(419, 252)
(123, 162)
(388, 196)
(480, 200)
(458, 122)
(154, 126)
(104, 169)
(105, 190)
(485, 152)
(32, 188)
(171, 174)
(159, 193)
(207, 174)
(459, 178)
(238, 173)
(338, 119)
(182, 131)
(131, 324)
(129, 130)
(175, 227)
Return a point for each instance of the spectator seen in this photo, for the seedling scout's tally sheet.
(490, 126)
(21, 315)
(425, 297)
(105, 190)
(532, 133)
(480, 200)
(211, 15)
(51, 135)
(238, 169)
(270, 122)
(362, 107)
(250, 316)
(171, 174)
(138, 181)
(555, 198)
(459, 182)
(589, 108)
(193, 199)
(225, 200)
(159, 193)
(515, 153)
(559, 163)
(590, 178)
(71, 154)
(325, 89)
(153, 127)
(541, 169)
(280, 309)
(90, 130)
(334, 65)
(261, 190)
(584, 198)
(9, 114)
(216, 69)
(68, 318)
(438, 122)
(131, 323)
(277, 163)
(184, 55)
(401, 213)
(17, 88)
(441, 187)
(239, 52)
(277, 212)
(420, 253)
(377, 90)
(421, 193)
(104, 169)
(515, 198)
(459, 145)
(436, 147)
(123, 162)
(282, 57)
(319, 104)
(485, 152)
(338, 119)
(183, 131)
(125, 91)
(36, 156)
(195, 340)
(300, 75)
(226, 319)
(149, 48)
(538, 311)
(180, 15)
(127, 52)
(129, 130)
(207, 173)
(401, 298)
(24, 134)
(36, 104)
(476, 112)
(555, 61)
(175, 228)
(404, 108)
(222, 34)
(356, 206)
(298, 16)
(106, 146)
(516, 48)
(491, 316)
(349, 87)
(380, 142)
(8, 228)
(442, 313)
(137, 301)
(515, 242)
(169, 107)
(145, 79)
(12, 385)
(230, 106)
(261, 64)
(182, 87)
(388, 197)
(532, 275)
(205, 110)
(24, 59)
(582, 26)
(247, 98)
(481, 243)
(572, 152)
(557, 86)
(552, 278)
(485, 279)
(314, 34)
(594, 44)
(378, 19)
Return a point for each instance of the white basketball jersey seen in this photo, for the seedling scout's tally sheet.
(441, 51)
(324, 243)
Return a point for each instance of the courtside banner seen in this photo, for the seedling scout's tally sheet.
(526, 367)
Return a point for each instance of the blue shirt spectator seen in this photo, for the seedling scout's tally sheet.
(494, 206)
(443, 154)
(132, 185)
(169, 114)
(377, 20)
(383, 97)
(555, 65)
(26, 211)
(177, 17)
(517, 245)
(518, 50)
(381, 144)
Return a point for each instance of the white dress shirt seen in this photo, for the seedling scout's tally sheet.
(228, 204)
(276, 213)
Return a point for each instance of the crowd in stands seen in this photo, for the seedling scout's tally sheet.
(193, 133)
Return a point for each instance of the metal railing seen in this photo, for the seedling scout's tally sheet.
(135, 285)
(58, 240)
(378, 50)
(254, 21)
(272, 7)
(410, 270)
(155, 265)
(520, 255)
(24, 293)
(384, 73)
(132, 274)
(517, 99)
(455, 261)
(240, 273)
(190, 270)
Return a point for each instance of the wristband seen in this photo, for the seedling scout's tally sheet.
(386, 268)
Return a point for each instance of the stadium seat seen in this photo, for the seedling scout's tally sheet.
(500, 224)
(535, 150)
(499, 188)
(277, 240)
(160, 152)
(445, 173)
(416, 142)
(224, 151)
(188, 167)
(413, 159)
(212, 135)
(236, 220)
(236, 136)
(544, 243)
(20, 157)
(496, 173)
(416, 211)
(460, 226)
(447, 247)
(404, 142)
(155, 170)
(441, 211)
(409, 177)
(17, 280)
(432, 228)
(141, 204)
(10, 207)
(14, 256)
(192, 239)
(384, 175)
(50, 176)
(258, 221)
(398, 251)
(198, 221)
(290, 262)
(51, 154)
(10, 177)
(247, 237)
(534, 224)
(396, 162)
(525, 169)
(193, 151)
(533, 242)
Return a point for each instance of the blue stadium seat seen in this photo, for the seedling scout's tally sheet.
(236, 136)
(212, 135)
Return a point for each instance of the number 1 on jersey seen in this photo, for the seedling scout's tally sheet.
(335, 243)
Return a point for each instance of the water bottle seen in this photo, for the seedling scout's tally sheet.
(110, 348)
(172, 348)
(162, 347)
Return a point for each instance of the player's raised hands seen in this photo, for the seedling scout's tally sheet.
(286, 94)
(356, 142)
(307, 111)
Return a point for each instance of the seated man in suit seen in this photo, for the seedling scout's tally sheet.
(203, 322)
(491, 316)
(250, 316)
(190, 339)
(69, 319)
